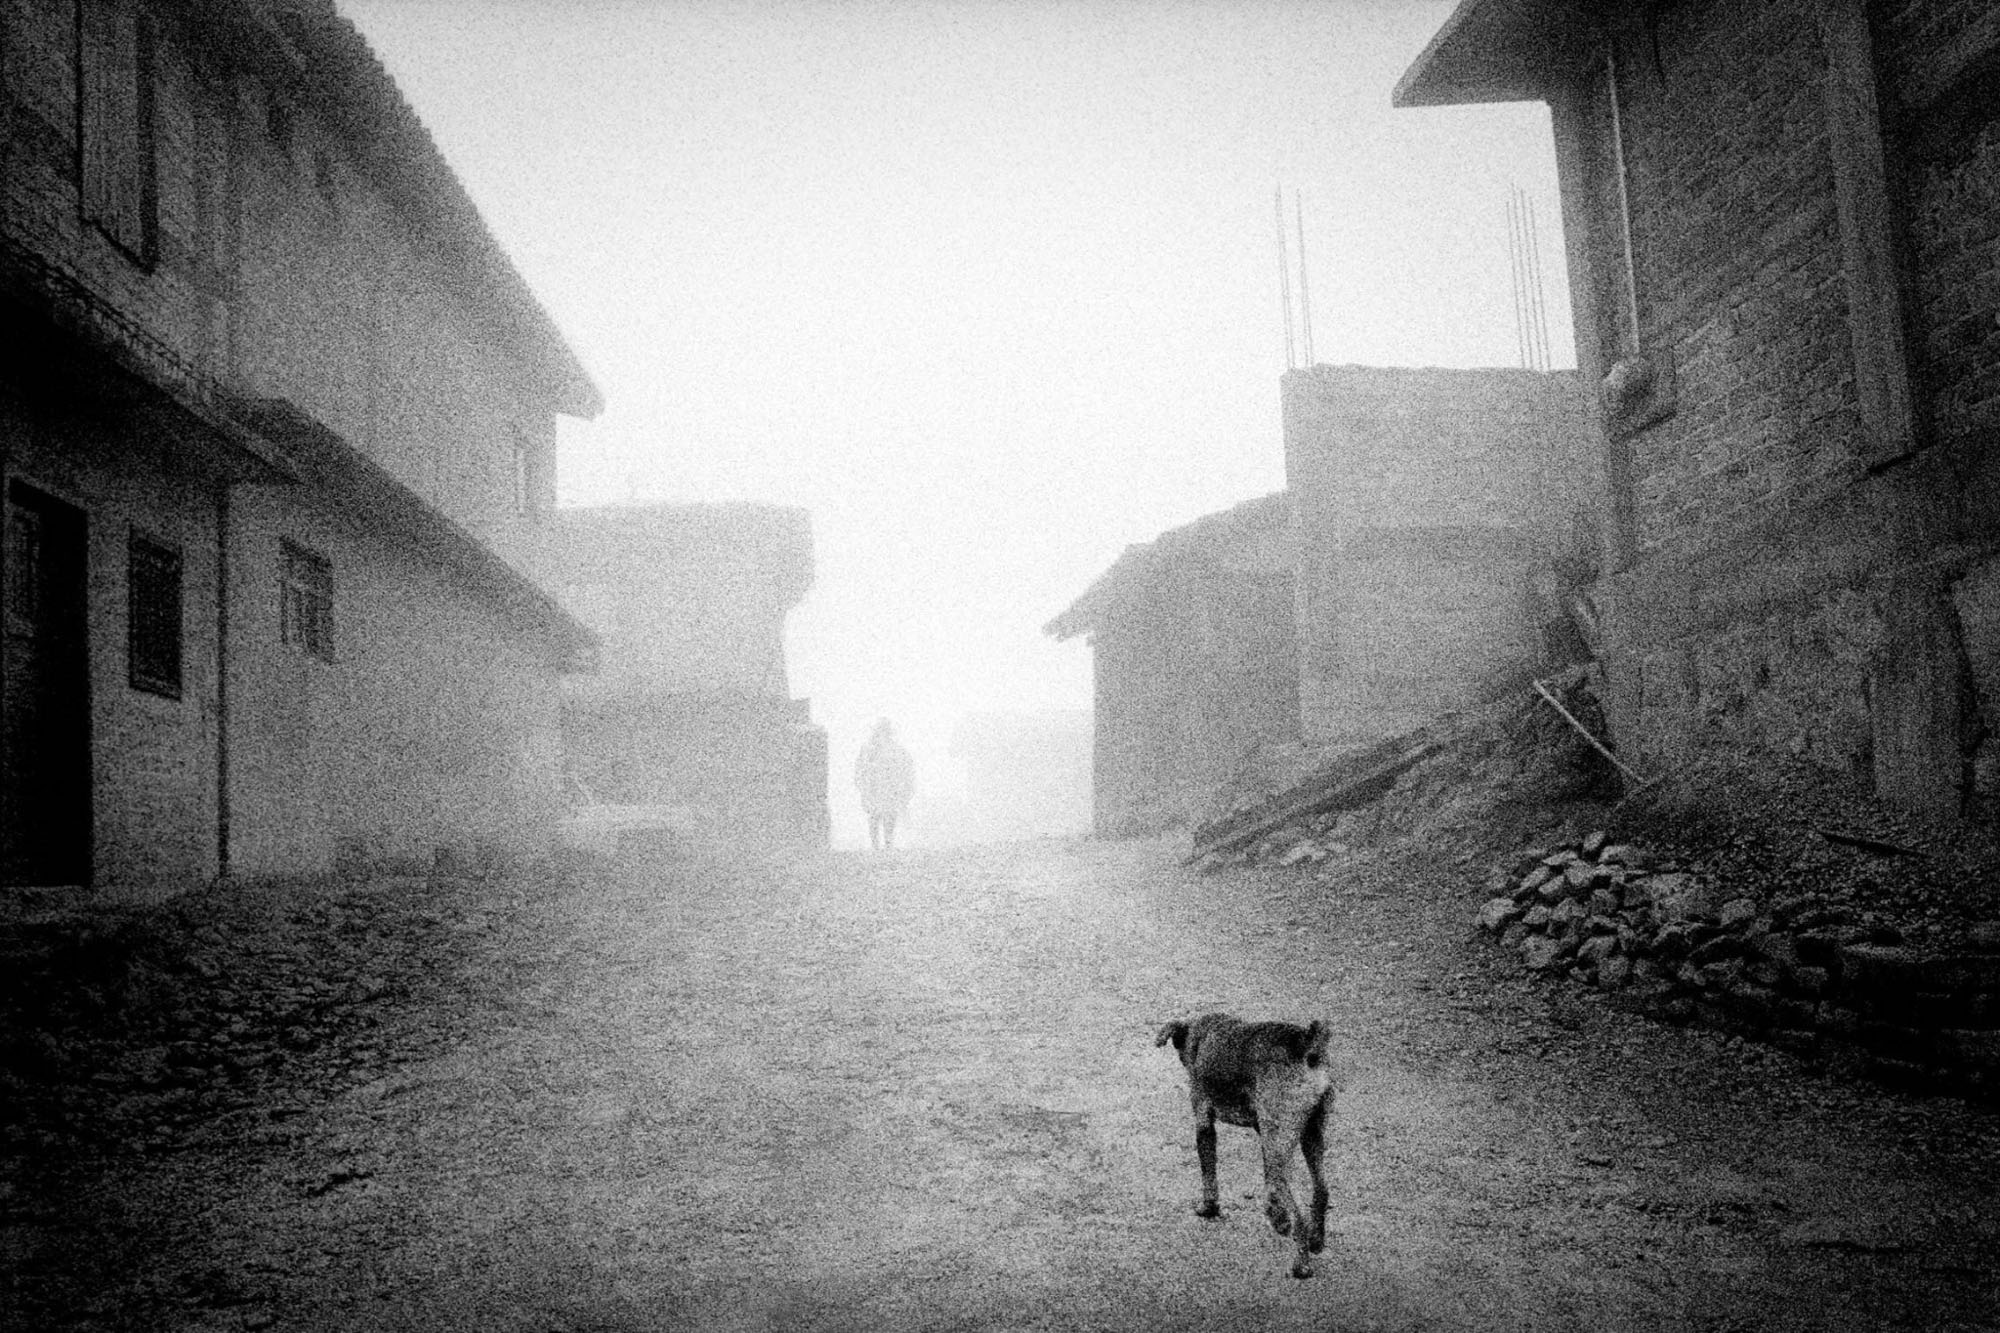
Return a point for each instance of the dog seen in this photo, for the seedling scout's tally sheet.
(1272, 1078)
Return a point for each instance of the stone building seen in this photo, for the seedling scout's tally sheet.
(1785, 269)
(1195, 664)
(276, 440)
(690, 707)
(1440, 539)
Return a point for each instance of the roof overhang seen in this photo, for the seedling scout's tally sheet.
(72, 345)
(1500, 51)
(307, 47)
(1208, 538)
(362, 493)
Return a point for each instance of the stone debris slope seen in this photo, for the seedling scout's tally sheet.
(1754, 895)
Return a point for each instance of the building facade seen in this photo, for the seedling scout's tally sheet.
(1194, 662)
(1441, 535)
(1781, 229)
(276, 457)
(690, 707)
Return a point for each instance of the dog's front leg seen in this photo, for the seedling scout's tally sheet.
(1204, 1151)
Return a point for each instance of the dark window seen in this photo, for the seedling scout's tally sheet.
(117, 188)
(306, 607)
(153, 616)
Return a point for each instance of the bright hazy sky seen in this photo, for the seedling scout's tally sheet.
(990, 288)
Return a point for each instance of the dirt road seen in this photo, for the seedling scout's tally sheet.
(919, 1090)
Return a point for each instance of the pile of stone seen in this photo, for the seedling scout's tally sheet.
(1796, 970)
(134, 1026)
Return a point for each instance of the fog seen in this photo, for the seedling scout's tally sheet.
(990, 289)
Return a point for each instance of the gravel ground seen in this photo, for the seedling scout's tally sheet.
(919, 1090)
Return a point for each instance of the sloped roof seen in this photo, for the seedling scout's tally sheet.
(358, 489)
(306, 47)
(1499, 51)
(1233, 531)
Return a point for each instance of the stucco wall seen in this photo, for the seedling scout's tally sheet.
(435, 724)
(152, 771)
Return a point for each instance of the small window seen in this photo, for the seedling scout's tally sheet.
(153, 616)
(306, 606)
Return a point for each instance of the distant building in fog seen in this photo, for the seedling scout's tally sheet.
(1027, 775)
(691, 703)
(1785, 270)
(1195, 662)
(1439, 535)
(277, 436)
(1430, 549)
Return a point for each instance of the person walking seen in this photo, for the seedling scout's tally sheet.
(886, 778)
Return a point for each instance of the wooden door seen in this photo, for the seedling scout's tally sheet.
(44, 693)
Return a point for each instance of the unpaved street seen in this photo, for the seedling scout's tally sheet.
(919, 1090)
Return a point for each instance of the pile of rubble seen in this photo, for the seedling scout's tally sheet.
(1799, 969)
(1444, 780)
(129, 1028)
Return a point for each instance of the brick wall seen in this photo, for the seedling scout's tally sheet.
(1737, 257)
(1797, 575)
(1948, 141)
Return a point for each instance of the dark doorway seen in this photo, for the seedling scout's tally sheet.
(44, 693)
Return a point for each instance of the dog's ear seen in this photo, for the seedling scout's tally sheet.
(1175, 1032)
(1313, 1050)
(1307, 1043)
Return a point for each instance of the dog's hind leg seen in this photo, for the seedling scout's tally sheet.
(1204, 1150)
(1312, 1146)
(1280, 1205)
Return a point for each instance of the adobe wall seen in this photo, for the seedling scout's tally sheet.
(153, 758)
(1191, 674)
(436, 724)
(1793, 574)
(1439, 515)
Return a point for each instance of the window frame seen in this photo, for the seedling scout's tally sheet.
(305, 600)
(155, 614)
